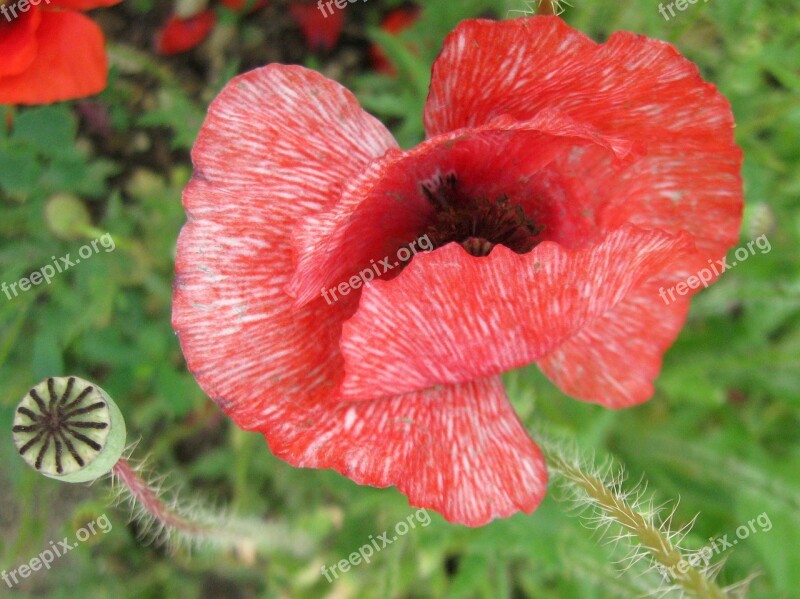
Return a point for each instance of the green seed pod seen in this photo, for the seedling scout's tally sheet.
(69, 429)
(67, 216)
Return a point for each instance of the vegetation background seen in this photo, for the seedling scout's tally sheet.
(722, 432)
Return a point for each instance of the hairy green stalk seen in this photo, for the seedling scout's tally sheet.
(610, 505)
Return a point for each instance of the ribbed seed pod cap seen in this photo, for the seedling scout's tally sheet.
(69, 429)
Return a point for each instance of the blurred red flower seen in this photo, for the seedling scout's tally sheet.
(181, 35)
(321, 31)
(50, 52)
(561, 184)
(396, 21)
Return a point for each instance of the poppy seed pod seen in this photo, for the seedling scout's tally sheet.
(69, 429)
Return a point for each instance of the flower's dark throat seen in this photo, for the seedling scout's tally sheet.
(477, 223)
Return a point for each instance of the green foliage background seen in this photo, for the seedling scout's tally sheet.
(722, 432)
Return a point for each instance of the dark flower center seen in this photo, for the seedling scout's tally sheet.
(477, 223)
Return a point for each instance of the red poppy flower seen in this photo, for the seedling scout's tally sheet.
(396, 21)
(321, 29)
(49, 52)
(561, 184)
(181, 35)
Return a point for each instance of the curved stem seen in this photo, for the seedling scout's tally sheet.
(220, 530)
(148, 498)
(614, 506)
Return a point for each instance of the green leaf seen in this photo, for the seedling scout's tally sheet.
(21, 169)
(49, 129)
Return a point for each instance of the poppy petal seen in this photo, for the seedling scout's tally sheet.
(70, 62)
(450, 317)
(458, 449)
(615, 360)
(18, 44)
(277, 146)
(633, 87)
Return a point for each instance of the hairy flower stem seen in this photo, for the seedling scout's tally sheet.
(69, 429)
(148, 498)
(197, 527)
(614, 507)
